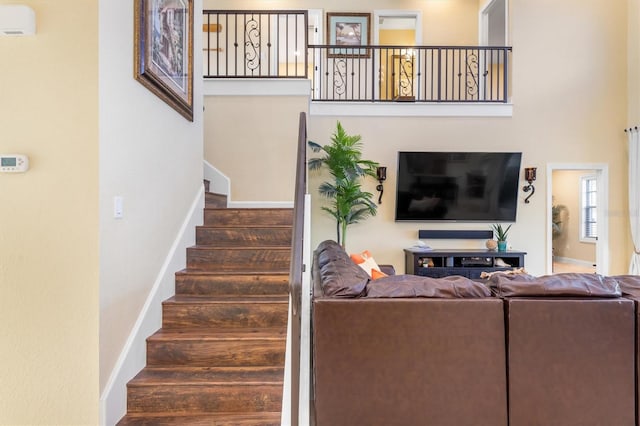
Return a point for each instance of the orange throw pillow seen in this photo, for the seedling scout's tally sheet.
(375, 274)
(366, 262)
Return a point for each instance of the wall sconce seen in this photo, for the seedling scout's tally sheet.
(381, 173)
(530, 177)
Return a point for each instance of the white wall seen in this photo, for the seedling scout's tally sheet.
(152, 157)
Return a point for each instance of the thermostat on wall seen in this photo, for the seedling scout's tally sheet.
(14, 163)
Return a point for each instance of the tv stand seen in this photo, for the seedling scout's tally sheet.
(468, 263)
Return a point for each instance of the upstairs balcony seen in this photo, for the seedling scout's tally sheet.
(276, 45)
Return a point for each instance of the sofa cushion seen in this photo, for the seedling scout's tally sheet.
(629, 284)
(570, 284)
(452, 287)
(338, 275)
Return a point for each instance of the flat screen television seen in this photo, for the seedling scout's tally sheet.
(457, 186)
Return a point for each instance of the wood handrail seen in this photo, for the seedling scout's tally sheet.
(297, 267)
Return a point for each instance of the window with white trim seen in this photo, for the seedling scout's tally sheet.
(588, 209)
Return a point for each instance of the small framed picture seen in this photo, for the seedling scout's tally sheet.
(348, 29)
(163, 51)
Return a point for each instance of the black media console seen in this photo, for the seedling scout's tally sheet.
(468, 263)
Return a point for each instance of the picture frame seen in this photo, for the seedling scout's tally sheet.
(348, 29)
(163, 51)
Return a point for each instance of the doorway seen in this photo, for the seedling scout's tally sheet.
(397, 66)
(494, 30)
(577, 229)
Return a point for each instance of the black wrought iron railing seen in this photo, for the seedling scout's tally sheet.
(410, 73)
(274, 44)
(255, 43)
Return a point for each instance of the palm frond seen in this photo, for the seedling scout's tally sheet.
(343, 160)
(315, 147)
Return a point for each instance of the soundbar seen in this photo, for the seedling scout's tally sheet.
(455, 234)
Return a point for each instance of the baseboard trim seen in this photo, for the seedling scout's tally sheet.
(573, 261)
(113, 400)
(260, 204)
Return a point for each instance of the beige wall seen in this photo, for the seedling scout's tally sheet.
(573, 111)
(450, 22)
(633, 50)
(253, 140)
(49, 219)
(566, 192)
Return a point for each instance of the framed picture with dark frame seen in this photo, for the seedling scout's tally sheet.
(348, 29)
(163, 51)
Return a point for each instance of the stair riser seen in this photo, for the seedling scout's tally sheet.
(218, 315)
(241, 285)
(232, 353)
(215, 200)
(230, 259)
(249, 237)
(191, 399)
(244, 217)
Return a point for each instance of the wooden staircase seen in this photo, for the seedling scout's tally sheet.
(219, 357)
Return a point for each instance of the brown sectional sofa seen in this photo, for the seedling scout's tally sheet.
(570, 351)
(516, 350)
(630, 286)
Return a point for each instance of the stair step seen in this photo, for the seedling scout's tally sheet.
(252, 312)
(203, 283)
(222, 347)
(214, 200)
(248, 217)
(205, 390)
(174, 376)
(279, 236)
(220, 419)
(238, 258)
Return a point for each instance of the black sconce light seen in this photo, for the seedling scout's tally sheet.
(381, 173)
(529, 176)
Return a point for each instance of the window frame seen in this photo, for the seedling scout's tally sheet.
(584, 179)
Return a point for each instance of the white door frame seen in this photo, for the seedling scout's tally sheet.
(315, 21)
(483, 23)
(483, 35)
(602, 244)
(396, 13)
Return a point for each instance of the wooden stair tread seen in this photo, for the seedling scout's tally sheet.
(216, 194)
(230, 299)
(197, 272)
(217, 419)
(254, 209)
(250, 226)
(238, 248)
(222, 376)
(219, 334)
(231, 269)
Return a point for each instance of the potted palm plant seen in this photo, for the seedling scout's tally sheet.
(501, 235)
(349, 203)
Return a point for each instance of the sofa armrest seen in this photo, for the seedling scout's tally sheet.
(388, 269)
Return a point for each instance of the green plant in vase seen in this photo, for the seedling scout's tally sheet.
(343, 159)
(501, 234)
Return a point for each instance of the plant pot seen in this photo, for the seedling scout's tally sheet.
(502, 246)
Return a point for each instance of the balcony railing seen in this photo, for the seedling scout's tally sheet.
(410, 73)
(255, 44)
(274, 44)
